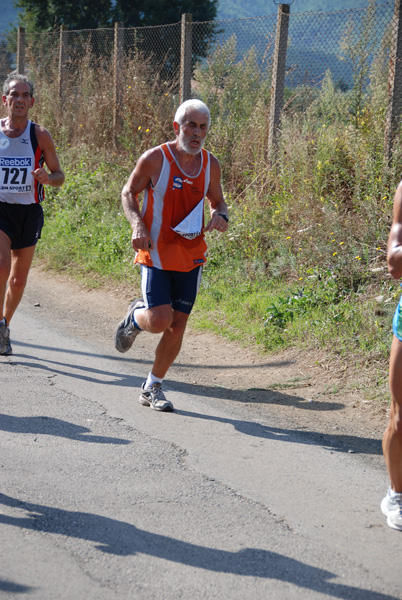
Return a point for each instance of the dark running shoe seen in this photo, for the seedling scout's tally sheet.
(5, 344)
(126, 331)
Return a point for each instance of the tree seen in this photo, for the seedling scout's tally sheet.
(163, 43)
(45, 15)
(139, 13)
(5, 59)
(160, 44)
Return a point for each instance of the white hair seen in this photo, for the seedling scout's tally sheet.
(189, 105)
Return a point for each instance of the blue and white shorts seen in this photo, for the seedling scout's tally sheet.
(170, 287)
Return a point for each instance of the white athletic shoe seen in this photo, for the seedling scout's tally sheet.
(155, 398)
(391, 507)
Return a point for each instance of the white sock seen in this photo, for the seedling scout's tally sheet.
(151, 380)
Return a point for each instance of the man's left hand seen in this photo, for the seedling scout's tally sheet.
(217, 222)
(42, 176)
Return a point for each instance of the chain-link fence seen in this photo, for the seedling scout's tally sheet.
(318, 42)
(343, 43)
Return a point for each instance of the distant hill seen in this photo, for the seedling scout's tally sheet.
(227, 9)
(8, 15)
(237, 9)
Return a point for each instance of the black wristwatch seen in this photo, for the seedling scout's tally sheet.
(224, 217)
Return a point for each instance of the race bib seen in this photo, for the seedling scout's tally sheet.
(16, 174)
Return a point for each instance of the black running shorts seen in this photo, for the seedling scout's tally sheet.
(22, 223)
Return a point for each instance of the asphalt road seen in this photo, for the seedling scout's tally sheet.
(103, 499)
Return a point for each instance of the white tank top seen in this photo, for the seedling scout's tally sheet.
(18, 158)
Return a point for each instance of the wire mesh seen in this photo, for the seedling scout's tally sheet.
(341, 42)
(347, 44)
(249, 34)
(160, 45)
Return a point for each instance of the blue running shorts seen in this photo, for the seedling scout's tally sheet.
(170, 287)
(397, 321)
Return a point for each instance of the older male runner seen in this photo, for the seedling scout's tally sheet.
(24, 148)
(168, 236)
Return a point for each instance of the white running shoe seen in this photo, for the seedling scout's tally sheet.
(391, 507)
(155, 398)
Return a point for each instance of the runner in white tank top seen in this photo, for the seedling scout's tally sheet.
(24, 149)
(19, 158)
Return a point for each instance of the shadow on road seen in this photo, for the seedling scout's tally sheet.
(124, 539)
(14, 588)
(336, 443)
(129, 359)
(104, 377)
(55, 427)
(100, 376)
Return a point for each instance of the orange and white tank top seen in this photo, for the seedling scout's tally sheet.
(18, 158)
(173, 212)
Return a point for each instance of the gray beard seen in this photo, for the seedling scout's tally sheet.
(184, 146)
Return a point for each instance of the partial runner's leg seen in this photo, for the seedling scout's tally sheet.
(21, 261)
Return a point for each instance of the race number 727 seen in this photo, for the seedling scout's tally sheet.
(14, 175)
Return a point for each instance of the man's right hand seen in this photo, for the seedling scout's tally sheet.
(141, 239)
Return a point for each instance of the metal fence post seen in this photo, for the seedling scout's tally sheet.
(185, 57)
(62, 60)
(278, 77)
(394, 81)
(117, 77)
(21, 50)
